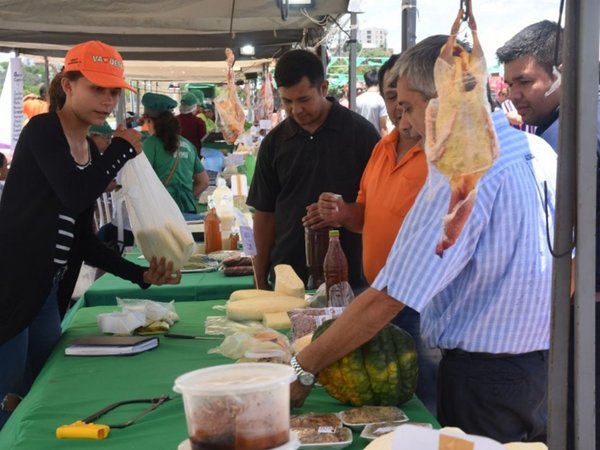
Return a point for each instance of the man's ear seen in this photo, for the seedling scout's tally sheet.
(324, 88)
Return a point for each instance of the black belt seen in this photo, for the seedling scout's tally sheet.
(458, 353)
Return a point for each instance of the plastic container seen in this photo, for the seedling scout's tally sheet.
(237, 406)
(223, 198)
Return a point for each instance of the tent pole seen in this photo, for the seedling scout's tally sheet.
(352, 62)
(575, 193)
(409, 23)
(585, 33)
(46, 76)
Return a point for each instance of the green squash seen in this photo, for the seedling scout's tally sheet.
(381, 372)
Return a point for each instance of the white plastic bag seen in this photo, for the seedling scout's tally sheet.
(156, 221)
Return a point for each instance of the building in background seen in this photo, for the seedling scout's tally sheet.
(373, 38)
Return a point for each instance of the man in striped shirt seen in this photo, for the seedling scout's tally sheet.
(486, 303)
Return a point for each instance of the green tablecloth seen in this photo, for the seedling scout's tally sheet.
(71, 388)
(193, 286)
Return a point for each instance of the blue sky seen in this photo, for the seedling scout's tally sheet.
(497, 21)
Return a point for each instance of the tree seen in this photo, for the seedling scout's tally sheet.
(33, 77)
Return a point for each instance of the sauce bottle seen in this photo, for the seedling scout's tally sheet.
(212, 231)
(335, 265)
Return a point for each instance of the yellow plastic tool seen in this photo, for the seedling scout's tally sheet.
(82, 430)
(87, 429)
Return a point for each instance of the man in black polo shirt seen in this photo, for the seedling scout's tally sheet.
(320, 147)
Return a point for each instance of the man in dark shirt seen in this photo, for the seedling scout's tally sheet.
(320, 147)
(192, 128)
(528, 59)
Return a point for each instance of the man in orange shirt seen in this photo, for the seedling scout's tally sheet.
(389, 186)
(34, 105)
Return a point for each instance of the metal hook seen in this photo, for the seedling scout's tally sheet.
(464, 5)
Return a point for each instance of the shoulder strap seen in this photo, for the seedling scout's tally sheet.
(173, 168)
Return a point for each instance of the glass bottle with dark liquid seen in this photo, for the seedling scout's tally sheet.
(315, 246)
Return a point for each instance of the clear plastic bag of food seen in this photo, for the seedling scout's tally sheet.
(307, 320)
(153, 310)
(237, 345)
(156, 221)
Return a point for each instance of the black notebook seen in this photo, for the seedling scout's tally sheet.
(110, 345)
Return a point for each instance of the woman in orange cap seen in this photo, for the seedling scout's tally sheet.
(46, 212)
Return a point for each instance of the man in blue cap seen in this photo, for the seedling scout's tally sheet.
(192, 128)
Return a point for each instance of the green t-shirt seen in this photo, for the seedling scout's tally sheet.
(180, 186)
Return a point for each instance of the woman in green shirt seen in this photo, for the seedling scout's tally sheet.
(172, 156)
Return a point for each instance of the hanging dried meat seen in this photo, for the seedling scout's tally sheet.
(264, 105)
(460, 138)
(230, 114)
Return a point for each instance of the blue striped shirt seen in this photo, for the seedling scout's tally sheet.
(491, 290)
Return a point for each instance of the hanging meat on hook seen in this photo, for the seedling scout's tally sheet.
(460, 138)
(230, 114)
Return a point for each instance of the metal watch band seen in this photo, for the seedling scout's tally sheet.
(302, 374)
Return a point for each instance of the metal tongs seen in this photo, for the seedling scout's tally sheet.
(87, 429)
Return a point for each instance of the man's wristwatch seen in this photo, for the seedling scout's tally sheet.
(305, 378)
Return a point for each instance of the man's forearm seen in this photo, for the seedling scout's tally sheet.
(264, 237)
(363, 318)
(354, 217)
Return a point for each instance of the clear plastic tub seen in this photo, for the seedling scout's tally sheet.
(237, 406)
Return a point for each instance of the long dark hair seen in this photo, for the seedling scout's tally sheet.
(166, 128)
(56, 95)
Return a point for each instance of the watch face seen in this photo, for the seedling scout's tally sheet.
(306, 379)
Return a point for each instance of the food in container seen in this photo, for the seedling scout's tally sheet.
(237, 407)
(315, 420)
(358, 418)
(323, 438)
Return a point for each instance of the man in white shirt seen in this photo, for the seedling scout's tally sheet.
(370, 104)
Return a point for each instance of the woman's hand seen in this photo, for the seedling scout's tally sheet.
(131, 136)
(161, 273)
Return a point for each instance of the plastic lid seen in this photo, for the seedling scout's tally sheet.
(234, 378)
(334, 233)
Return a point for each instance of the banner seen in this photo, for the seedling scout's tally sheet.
(11, 107)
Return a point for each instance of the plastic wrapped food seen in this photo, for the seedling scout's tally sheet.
(358, 418)
(307, 320)
(315, 420)
(460, 138)
(230, 114)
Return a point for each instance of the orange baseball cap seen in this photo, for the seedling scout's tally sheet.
(100, 63)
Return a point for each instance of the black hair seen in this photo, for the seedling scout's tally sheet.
(2, 159)
(384, 68)
(537, 40)
(371, 78)
(167, 129)
(297, 64)
(56, 95)
(43, 91)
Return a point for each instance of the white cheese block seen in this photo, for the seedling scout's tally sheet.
(277, 320)
(287, 282)
(302, 342)
(245, 294)
(254, 308)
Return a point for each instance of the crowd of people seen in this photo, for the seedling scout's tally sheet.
(480, 316)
